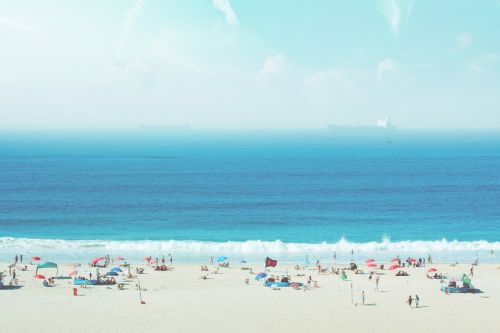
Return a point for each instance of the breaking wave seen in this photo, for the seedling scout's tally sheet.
(249, 250)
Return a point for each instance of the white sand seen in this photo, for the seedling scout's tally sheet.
(179, 301)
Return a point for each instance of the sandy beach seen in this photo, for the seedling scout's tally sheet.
(181, 301)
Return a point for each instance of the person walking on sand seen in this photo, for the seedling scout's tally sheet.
(409, 301)
(377, 279)
(363, 297)
(472, 271)
(171, 260)
(417, 301)
(16, 258)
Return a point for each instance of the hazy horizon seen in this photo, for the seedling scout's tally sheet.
(228, 64)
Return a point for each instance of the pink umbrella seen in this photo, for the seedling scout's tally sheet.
(36, 258)
(394, 259)
(151, 263)
(412, 260)
(371, 265)
(147, 258)
(72, 273)
(432, 269)
(393, 267)
(119, 258)
(369, 260)
(96, 260)
(39, 276)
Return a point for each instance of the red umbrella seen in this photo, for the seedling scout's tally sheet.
(412, 260)
(39, 276)
(371, 265)
(119, 258)
(36, 258)
(432, 269)
(370, 260)
(394, 259)
(393, 267)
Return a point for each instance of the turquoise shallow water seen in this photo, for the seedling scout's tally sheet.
(192, 193)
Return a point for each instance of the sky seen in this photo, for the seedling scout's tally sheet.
(249, 64)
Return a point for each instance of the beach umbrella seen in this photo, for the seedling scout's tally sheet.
(151, 263)
(96, 260)
(394, 259)
(371, 265)
(221, 259)
(243, 262)
(72, 273)
(119, 258)
(260, 276)
(432, 269)
(39, 276)
(412, 260)
(116, 269)
(393, 267)
(35, 258)
(370, 260)
(147, 258)
(111, 274)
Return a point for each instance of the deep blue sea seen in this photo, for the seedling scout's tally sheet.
(249, 194)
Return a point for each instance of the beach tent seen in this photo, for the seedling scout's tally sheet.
(221, 259)
(47, 265)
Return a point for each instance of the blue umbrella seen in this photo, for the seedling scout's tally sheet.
(111, 274)
(221, 259)
(260, 276)
(116, 269)
(243, 262)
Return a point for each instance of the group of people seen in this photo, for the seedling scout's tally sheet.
(49, 282)
(415, 300)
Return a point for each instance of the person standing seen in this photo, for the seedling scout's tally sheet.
(363, 297)
(377, 279)
(15, 259)
(21, 258)
(334, 256)
(472, 271)
(417, 301)
(171, 260)
(211, 260)
(409, 301)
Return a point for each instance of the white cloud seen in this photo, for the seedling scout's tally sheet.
(464, 40)
(396, 12)
(386, 66)
(132, 14)
(10, 23)
(225, 7)
(273, 65)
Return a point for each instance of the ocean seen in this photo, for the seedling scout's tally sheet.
(247, 195)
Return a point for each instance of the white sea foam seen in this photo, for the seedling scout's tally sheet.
(252, 249)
